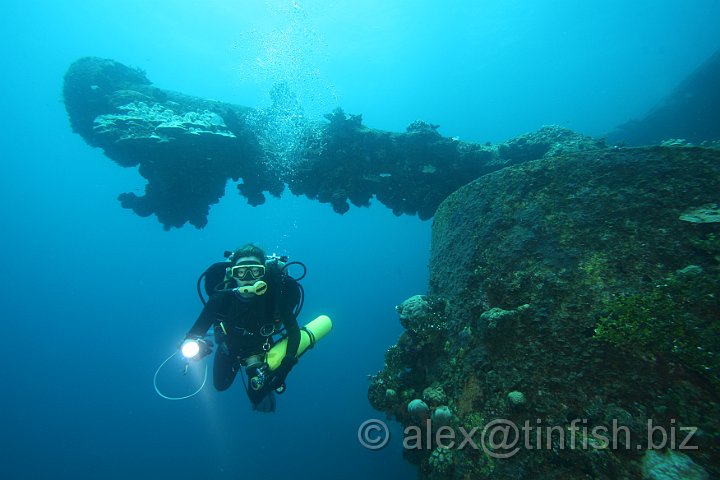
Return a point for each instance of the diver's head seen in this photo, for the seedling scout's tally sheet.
(248, 271)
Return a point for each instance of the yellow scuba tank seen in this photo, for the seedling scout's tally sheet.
(309, 335)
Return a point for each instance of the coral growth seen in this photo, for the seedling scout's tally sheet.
(188, 148)
(584, 297)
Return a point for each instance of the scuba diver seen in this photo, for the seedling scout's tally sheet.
(251, 299)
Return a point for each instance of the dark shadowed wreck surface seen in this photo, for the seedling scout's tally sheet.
(569, 293)
(691, 112)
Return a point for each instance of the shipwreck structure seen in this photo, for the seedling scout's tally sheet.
(188, 148)
(691, 112)
(584, 312)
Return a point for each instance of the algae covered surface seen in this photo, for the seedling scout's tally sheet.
(570, 294)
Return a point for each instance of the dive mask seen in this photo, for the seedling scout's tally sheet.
(247, 272)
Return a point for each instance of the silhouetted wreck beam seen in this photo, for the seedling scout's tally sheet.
(188, 147)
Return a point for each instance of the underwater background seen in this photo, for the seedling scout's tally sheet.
(95, 298)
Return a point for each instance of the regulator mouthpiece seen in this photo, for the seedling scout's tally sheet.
(258, 288)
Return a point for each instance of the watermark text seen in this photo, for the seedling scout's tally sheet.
(502, 438)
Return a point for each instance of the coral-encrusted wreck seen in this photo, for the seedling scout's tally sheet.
(568, 293)
(188, 148)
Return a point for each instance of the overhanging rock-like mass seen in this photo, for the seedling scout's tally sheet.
(584, 296)
(187, 148)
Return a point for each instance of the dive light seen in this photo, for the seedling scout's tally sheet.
(195, 348)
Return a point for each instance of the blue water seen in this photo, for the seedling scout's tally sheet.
(94, 298)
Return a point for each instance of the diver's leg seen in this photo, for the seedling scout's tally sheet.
(224, 368)
(266, 404)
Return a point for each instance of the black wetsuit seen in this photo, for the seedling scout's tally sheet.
(247, 322)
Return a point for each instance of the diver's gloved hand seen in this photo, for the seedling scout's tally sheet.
(281, 373)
